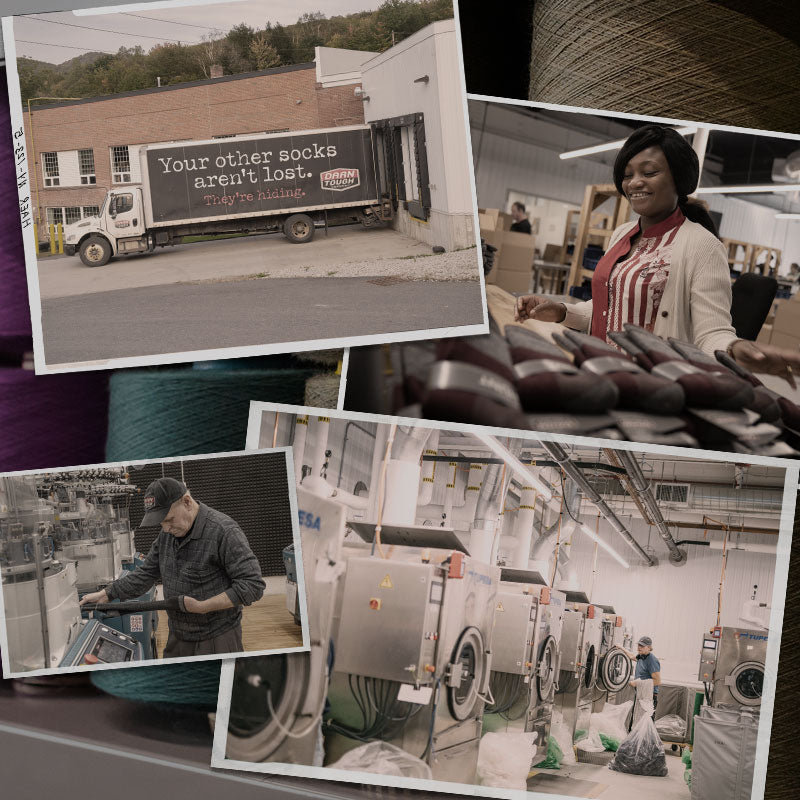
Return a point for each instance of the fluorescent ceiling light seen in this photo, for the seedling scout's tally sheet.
(601, 148)
(787, 216)
(522, 470)
(607, 547)
(762, 188)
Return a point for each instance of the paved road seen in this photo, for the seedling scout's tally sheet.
(268, 255)
(176, 319)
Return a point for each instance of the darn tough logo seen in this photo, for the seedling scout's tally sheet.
(340, 179)
(756, 637)
(149, 502)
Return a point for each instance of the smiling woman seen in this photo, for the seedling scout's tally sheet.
(666, 272)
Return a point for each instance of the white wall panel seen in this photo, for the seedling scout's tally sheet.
(674, 605)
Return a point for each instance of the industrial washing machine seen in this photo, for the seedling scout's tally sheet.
(525, 656)
(413, 656)
(614, 668)
(581, 638)
(277, 701)
(732, 667)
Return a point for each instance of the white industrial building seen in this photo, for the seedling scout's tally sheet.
(420, 75)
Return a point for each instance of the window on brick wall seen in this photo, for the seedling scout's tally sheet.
(50, 168)
(120, 164)
(91, 211)
(86, 164)
(72, 214)
(55, 216)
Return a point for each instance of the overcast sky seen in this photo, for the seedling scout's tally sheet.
(51, 37)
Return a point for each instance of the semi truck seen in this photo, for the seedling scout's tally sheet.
(255, 183)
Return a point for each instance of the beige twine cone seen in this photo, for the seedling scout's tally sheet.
(685, 59)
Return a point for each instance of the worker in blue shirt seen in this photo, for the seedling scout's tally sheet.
(647, 666)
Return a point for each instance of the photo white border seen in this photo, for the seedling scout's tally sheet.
(292, 493)
(778, 600)
(30, 242)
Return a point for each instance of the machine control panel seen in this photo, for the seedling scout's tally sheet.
(708, 659)
(99, 644)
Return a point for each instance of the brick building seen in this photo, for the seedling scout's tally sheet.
(412, 95)
(81, 147)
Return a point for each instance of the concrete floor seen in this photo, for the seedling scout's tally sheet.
(591, 780)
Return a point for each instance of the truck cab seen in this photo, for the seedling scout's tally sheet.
(119, 228)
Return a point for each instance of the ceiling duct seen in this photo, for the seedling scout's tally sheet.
(560, 455)
(642, 489)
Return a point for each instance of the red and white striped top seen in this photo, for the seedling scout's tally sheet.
(634, 279)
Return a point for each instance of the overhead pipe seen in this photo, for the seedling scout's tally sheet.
(491, 499)
(677, 557)
(315, 481)
(403, 472)
(560, 455)
(299, 445)
(428, 468)
(748, 546)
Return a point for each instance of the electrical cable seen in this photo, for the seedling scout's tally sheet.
(104, 30)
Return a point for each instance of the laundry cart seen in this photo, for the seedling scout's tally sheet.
(674, 714)
(724, 754)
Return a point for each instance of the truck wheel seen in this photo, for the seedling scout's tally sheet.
(95, 251)
(299, 228)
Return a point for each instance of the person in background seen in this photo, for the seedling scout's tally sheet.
(521, 223)
(647, 666)
(667, 271)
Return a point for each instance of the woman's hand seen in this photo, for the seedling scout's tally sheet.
(531, 306)
(767, 359)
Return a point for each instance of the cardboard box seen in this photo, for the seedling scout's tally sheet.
(764, 334)
(494, 219)
(512, 280)
(517, 252)
(780, 339)
(552, 252)
(787, 319)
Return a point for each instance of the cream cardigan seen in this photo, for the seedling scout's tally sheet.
(696, 305)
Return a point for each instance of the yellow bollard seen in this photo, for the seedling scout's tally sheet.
(60, 229)
(52, 239)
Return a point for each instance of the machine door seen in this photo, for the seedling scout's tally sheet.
(590, 667)
(266, 698)
(746, 682)
(547, 668)
(615, 670)
(468, 673)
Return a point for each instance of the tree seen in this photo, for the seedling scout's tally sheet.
(263, 54)
(209, 51)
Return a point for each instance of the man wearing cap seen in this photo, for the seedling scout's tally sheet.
(647, 666)
(201, 556)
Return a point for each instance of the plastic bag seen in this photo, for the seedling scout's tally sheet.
(504, 759)
(385, 759)
(687, 760)
(609, 742)
(642, 753)
(555, 755)
(561, 734)
(610, 722)
(671, 725)
(589, 741)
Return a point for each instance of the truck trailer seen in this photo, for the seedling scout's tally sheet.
(255, 183)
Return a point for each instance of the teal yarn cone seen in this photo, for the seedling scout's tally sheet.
(171, 412)
(192, 685)
(176, 412)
